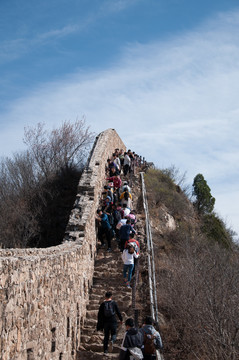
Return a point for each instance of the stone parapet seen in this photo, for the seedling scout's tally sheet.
(44, 292)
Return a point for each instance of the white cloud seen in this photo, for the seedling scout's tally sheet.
(66, 30)
(115, 6)
(174, 102)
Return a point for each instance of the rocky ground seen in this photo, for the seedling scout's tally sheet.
(108, 275)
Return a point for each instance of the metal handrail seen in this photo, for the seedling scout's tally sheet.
(150, 253)
(151, 263)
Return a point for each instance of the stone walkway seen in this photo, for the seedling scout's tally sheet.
(108, 275)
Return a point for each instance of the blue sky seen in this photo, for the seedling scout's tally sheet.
(164, 74)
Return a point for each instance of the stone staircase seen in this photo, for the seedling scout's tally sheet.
(108, 275)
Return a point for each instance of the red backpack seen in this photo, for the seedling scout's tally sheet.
(149, 346)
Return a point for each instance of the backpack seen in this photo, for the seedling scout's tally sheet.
(134, 244)
(108, 309)
(126, 195)
(149, 346)
(111, 219)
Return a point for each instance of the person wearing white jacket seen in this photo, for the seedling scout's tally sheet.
(128, 256)
(127, 163)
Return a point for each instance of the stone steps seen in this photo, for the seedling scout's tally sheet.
(92, 314)
(93, 303)
(92, 355)
(104, 280)
(89, 322)
(108, 276)
(86, 331)
(93, 306)
(98, 348)
(95, 296)
(92, 339)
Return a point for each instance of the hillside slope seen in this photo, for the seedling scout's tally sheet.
(197, 278)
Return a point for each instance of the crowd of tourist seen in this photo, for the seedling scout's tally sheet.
(115, 215)
(117, 221)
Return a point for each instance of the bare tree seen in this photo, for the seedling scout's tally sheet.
(58, 149)
(33, 184)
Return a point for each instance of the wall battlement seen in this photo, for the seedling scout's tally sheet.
(44, 292)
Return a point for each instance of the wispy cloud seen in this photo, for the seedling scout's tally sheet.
(17, 47)
(116, 6)
(56, 33)
(175, 102)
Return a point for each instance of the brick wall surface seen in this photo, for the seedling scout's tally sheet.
(44, 292)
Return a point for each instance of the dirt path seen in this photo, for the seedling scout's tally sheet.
(108, 275)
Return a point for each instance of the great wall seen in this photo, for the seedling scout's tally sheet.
(50, 297)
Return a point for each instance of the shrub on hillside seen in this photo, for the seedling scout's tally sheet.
(161, 189)
(215, 229)
(199, 296)
(178, 236)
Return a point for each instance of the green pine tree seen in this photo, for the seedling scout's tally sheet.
(204, 200)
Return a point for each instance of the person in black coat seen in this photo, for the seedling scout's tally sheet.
(133, 338)
(107, 320)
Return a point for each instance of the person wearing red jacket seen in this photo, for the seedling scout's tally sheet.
(137, 249)
(117, 183)
(134, 241)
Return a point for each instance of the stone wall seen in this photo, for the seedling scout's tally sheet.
(44, 292)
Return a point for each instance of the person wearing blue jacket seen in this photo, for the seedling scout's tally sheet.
(124, 233)
(148, 330)
(104, 228)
